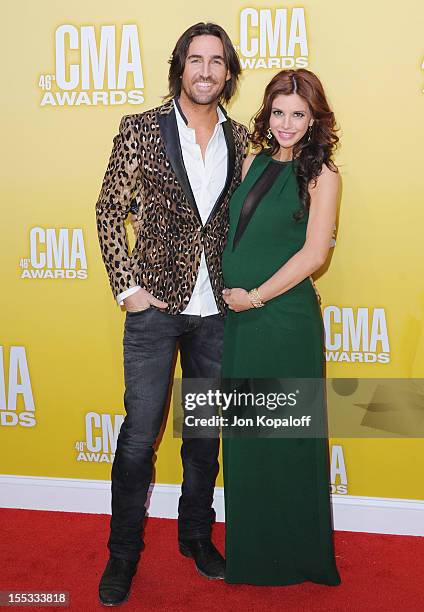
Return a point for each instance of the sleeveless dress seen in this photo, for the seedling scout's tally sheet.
(277, 490)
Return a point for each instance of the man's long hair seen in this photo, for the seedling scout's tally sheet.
(179, 56)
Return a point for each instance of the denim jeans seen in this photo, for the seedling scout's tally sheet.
(151, 338)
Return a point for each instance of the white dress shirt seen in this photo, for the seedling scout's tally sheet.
(207, 179)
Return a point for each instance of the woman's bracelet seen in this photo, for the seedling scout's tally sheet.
(255, 298)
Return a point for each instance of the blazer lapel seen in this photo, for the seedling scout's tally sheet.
(170, 138)
(231, 161)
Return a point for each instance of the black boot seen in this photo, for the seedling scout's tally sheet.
(209, 561)
(116, 581)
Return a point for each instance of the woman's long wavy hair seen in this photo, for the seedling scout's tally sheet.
(316, 147)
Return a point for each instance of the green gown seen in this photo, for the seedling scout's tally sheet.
(277, 491)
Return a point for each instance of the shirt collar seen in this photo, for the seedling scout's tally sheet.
(222, 117)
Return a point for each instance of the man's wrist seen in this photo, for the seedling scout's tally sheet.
(121, 297)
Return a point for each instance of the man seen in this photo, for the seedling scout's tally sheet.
(181, 162)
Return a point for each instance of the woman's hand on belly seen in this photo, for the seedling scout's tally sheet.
(237, 299)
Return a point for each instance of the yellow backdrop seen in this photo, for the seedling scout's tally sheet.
(70, 72)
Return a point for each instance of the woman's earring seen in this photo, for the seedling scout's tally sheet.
(269, 134)
(309, 132)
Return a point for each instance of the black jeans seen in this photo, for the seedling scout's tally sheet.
(151, 338)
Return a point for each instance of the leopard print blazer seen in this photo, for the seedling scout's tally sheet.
(146, 166)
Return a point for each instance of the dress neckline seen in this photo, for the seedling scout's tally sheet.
(277, 161)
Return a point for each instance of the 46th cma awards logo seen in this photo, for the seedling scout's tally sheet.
(101, 434)
(273, 39)
(55, 253)
(356, 335)
(16, 398)
(95, 67)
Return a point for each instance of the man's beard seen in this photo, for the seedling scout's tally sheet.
(206, 98)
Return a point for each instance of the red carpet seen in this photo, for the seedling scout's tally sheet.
(55, 550)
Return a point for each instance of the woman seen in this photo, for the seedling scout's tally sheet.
(278, 516)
